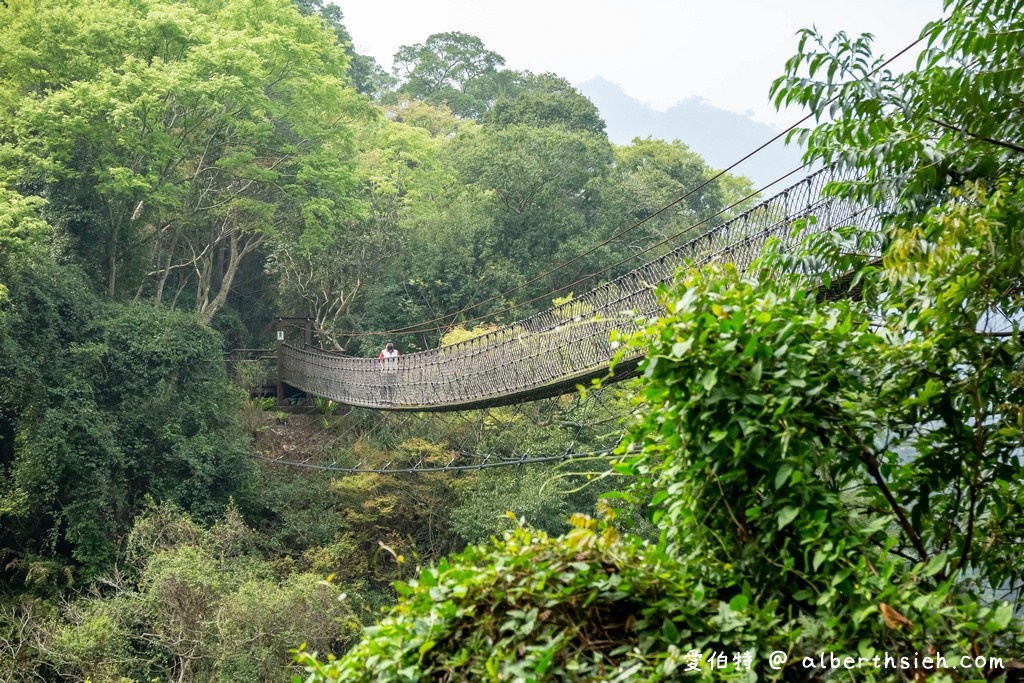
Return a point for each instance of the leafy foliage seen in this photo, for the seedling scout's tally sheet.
(647, 176)
(957, 117)
(528, 607)
(178, 139)
(20, 224)
(454, 69)
(531, 493)
(101, 406)
(367, 76)
(190, 603)
(546, 100)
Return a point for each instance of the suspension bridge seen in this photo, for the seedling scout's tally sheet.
(550, 353)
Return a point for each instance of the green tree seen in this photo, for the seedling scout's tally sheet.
(101, 406)
(20, 224)
(546, 100)
(538, 183)
(454, 69)
(516, 201)
(583, 607)
(343, 280)
(179, 140)
(649, 175)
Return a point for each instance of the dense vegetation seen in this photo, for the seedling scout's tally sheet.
(175, 174)
(801, 476)
(840, 477)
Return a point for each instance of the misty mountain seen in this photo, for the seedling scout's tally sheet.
(721, 137)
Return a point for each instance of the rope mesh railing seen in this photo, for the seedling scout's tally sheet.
(553, 351)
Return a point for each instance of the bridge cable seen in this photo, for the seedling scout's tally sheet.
(564, 457)
(320, 447)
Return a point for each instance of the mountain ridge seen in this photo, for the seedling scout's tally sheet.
(721, 137)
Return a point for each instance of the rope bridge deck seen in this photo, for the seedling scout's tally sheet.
(553, 351)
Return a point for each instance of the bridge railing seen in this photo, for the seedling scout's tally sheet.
(551, 351)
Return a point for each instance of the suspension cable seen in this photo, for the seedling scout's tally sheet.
(511, 462)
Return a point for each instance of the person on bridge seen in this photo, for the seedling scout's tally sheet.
(389, 357)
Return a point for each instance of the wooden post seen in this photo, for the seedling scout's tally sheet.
(308, 333)
(279, 330)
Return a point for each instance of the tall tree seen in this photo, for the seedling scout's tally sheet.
(21, 228)
(334, 277)
(454, 69)
(365, 73)
(649, 175)
(545, 100)
(538, 186)
(179, 140)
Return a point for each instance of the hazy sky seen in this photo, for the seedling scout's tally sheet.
(660, 51)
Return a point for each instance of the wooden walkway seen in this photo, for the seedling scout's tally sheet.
(553, 351)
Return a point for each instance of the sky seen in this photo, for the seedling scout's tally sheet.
(660, 52)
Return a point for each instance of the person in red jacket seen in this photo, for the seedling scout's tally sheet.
(389, 357)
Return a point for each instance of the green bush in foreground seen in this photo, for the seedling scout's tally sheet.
(587, 605)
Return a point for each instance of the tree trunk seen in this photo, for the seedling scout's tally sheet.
(209, 307)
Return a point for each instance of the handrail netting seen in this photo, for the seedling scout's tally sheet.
(554, 350)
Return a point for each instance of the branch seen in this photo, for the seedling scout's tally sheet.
(998, 143)
(979, 451)
(869, 459)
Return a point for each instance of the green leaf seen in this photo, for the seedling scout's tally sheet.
(819, 557)
(782, 475)
(787, 515)
(739, 603)
(1001, 617)
(680, 349)
(670, 631)
(935, 565)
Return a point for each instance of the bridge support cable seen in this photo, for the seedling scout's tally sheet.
(485, 463)
(557, 429)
